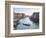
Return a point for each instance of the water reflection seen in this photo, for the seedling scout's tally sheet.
(26, 23)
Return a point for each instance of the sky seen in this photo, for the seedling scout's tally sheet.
(28, 11)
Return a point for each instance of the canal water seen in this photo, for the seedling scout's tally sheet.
(25, 23)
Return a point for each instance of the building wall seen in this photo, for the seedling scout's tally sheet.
(18, 15)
